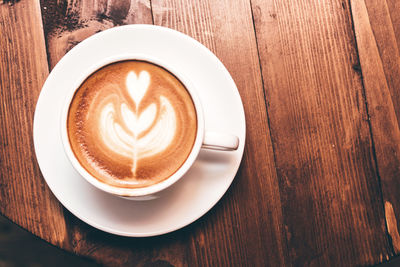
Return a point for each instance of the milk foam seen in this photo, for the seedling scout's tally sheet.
(157, 121)
(132, 124)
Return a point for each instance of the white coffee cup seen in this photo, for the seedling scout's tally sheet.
(204, 139)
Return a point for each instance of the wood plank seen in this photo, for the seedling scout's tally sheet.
(252, 206)
(24, 196)
(377, 29)
(68, 22)
(330, 192)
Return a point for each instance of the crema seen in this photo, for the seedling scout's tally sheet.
(132, 124)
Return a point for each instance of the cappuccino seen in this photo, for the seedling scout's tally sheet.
(131, 124)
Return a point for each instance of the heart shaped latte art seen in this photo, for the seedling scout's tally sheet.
(137, 86)
(140, 134)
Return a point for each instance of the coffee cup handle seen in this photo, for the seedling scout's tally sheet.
(220, 141)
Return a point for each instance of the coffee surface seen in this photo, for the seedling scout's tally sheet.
(132, 124)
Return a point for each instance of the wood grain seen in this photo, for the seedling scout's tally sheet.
(379, 53)
(309, 188)
(330, 191)
(24, 196)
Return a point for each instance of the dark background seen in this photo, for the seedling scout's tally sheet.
(20, 248)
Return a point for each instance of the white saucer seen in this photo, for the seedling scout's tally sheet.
(207, 180)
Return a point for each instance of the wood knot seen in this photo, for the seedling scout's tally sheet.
(357, 67)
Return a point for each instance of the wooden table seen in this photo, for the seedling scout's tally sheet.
(319, 183)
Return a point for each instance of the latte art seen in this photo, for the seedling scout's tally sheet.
(132, 124)
(124, 139)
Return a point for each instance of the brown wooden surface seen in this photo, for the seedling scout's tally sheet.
(319, 80)
(320, 135)
(380, 61)
(24, 195)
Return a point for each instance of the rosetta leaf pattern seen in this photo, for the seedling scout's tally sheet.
(158, 119)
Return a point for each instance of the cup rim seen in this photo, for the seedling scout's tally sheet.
(141, 191)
